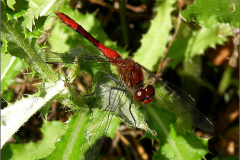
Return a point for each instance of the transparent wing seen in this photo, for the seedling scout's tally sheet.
(97, 128)
(60, 58)
(178, 101)
(76, 55)
(112, 101)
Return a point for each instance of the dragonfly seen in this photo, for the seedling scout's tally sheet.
(140, 84)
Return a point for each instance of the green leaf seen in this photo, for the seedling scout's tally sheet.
(37, 29)
(174, 145)
(10, 67)
(38, 8)
(15, 115)
(154, 42)
(7, 96)
(15, 10)
(71, 144)
(50, 130)
(211, 13)
(225, 80)
(58, 38)
(4, 45)
(197, 43)
(10, 3)
(85, 135)
(24, 48)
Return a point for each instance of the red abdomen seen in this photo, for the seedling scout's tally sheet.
(111, 54)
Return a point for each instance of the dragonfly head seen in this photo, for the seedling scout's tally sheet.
(144, 95)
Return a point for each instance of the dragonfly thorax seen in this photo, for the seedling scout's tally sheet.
(130, 73)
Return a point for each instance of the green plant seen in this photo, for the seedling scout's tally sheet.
(21, 26)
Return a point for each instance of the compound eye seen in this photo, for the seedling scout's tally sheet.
(139, 95)
(150, 90)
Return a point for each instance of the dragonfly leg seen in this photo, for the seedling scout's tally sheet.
(130, 106)
(107, 76)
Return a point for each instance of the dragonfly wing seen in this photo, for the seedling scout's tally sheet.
(122, 101)
(114, 101)
(110, 103)
(52, 57)
(98, 126)
(66, 58)
(95, 133)
(178, 101)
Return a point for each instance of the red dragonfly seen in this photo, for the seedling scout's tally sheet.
(139, 83)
